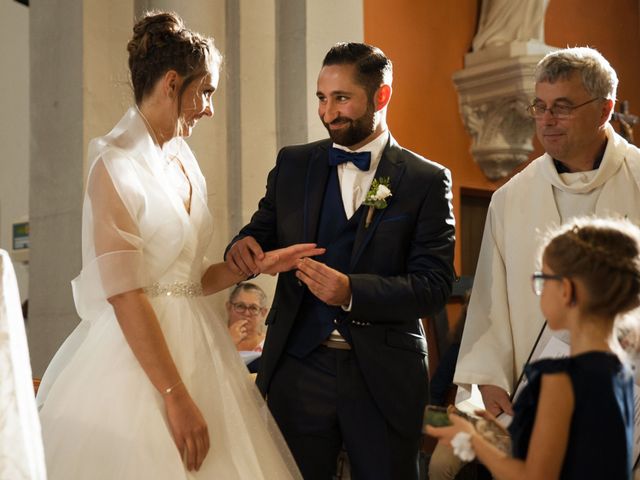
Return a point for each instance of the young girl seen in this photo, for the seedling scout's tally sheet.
(574, 419)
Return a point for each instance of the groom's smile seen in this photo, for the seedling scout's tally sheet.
(344, 107)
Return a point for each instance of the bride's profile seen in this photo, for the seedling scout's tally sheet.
(149, 385)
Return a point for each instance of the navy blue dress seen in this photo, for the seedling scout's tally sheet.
(601, 433)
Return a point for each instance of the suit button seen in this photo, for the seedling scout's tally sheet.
(335, 321)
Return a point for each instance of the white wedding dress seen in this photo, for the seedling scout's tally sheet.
(101, 416)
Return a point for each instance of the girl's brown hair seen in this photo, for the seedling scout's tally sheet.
(604, 254)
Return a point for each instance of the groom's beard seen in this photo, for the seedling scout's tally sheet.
(358, 129)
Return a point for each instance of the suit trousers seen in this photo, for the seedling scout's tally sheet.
(321, 403)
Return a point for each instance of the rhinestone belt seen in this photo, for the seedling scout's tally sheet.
(175, 289)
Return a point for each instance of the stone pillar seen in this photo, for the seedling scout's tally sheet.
(14, 132)
(291, 72)
(56, 173)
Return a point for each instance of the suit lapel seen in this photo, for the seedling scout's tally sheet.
(315, 185)
(391, 165)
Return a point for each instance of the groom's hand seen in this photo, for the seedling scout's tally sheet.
(329, 285)
(242, 256)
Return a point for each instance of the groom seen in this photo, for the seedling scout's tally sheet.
(344, 358)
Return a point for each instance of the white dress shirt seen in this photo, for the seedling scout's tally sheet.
(355, 183)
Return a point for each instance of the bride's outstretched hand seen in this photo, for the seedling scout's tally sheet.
(285, 259)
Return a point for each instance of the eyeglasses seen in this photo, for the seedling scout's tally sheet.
(538, 279)
(241, 308)
(538, 109)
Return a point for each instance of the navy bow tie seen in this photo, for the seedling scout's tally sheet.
(362, 160)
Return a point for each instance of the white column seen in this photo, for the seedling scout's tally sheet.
(56, 172)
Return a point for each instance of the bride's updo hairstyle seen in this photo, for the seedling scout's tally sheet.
(161, 43)
(604, 254)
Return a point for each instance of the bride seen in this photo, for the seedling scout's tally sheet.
(149, 385)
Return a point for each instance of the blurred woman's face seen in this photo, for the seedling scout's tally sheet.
(197, 102)
(246, 306)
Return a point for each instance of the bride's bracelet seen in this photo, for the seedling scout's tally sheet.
(167, 391)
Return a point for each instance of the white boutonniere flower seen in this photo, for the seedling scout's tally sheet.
(376, 198)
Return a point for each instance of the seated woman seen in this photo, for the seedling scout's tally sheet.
(246, 312)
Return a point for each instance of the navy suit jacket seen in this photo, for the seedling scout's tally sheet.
(401, 269)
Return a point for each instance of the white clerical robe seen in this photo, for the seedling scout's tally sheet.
(504, 317)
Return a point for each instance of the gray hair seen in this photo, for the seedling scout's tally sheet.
(598, 77)
(249, 287)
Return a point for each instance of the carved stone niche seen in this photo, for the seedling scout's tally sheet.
(494, 90)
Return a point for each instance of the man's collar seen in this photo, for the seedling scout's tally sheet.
(562, 168)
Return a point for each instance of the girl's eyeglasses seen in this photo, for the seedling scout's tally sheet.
(538, 279)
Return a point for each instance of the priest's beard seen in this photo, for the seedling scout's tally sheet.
(358, 129)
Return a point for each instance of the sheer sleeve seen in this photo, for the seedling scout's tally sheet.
(116, 236)
(113, 258)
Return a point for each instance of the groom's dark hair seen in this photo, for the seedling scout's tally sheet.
(372, 65)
